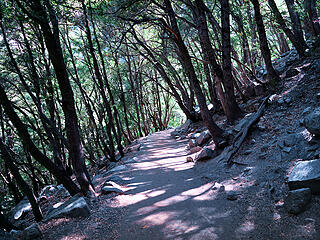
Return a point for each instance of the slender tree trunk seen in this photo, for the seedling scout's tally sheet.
(58, 171)
(230, 105)
(23, 185)
(296, 43)
(296, 23)
(272, 74)
(215, 131)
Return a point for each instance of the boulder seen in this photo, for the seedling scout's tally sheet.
(305, 174)
(108, 189)
(32, 232)
(203, 138)
(74, 207)
(117, 179)
(205, 154)
(297, 200)
(312, 122)
(22, 208)
(195, 149)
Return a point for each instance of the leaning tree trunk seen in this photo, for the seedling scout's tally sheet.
(56, 170)
(296, 23)
(22, 183)
(229, 105)
(297, 44)
(51, 38)
(215, 131)
(272, 74)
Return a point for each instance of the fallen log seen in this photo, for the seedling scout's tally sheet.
(229, 151)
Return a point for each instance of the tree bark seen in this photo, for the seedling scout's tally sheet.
(23, 185)
(297, 44)
(272, 74)
(215, 131)
(58, 171)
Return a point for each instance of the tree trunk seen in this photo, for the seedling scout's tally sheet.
(297, 44)
(23, 185)
(272, 74)
(215, 131)
(58, 171)
(296, 23)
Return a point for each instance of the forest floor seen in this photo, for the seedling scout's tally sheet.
(169, 198)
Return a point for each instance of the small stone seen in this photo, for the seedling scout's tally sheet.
(192, 143)
(297, 200)
(205, 154)
(195, 149)
(203, 138)
(262, 156)
(189, 159)
(232, 195)
(265, 147)
(306, 110)
(287, 149)
(287, 100)
(32, 232)
(222, 188)
(247, 152)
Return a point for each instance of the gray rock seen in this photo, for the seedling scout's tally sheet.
(312, 122)
(232, 195)
(195, 135)
(287, 149)
(108, 189)
(297, 200)
(117, 179)
(48, 191)
(195, 149)
(32, 232)
(305, 174)
(306, 110)
(205, 154)
(22, 208)
(203, 138)
(192, 143)
(74, 207)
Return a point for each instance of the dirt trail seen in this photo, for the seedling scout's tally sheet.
(169, 200)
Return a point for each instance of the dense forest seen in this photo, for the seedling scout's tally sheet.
(80, 80)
